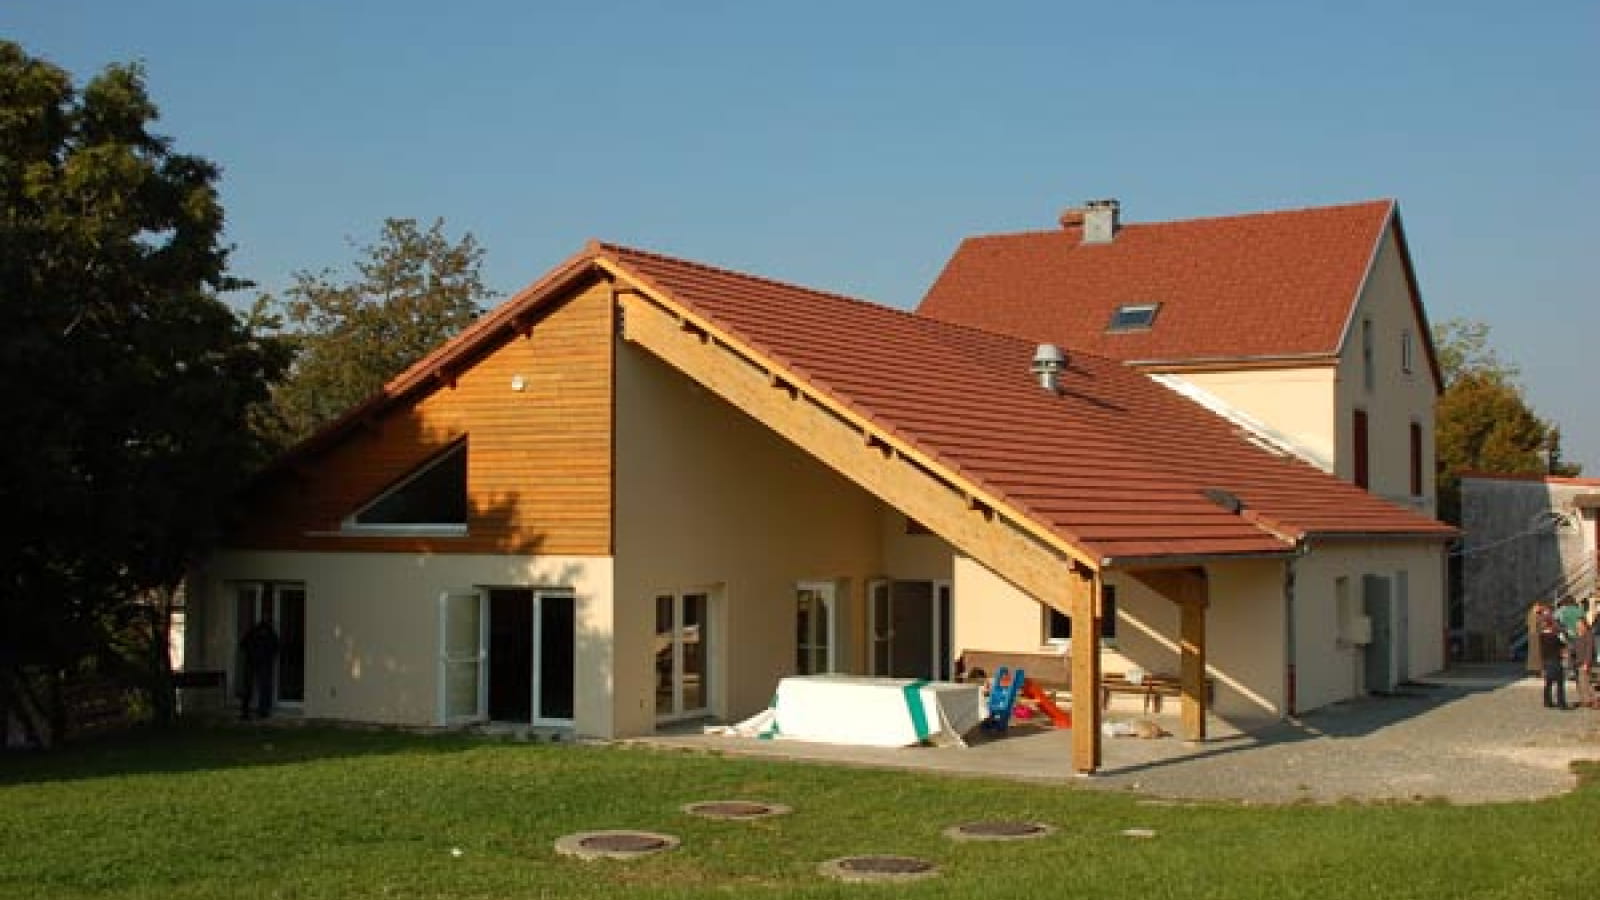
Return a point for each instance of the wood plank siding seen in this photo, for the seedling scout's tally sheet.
(538, 459)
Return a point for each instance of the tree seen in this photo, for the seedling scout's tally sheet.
(125, 379)
(414, 289)
(1483, 421)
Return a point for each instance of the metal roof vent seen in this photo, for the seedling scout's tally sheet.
(1226, 499)
(1048, 363)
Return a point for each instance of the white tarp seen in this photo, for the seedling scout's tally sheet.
(873, 712)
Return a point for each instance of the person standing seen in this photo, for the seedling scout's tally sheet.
(1582, 649)
(1551, 649)
(259, 649)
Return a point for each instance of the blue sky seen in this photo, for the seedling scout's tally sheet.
(850, 146)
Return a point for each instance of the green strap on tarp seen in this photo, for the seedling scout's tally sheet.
(919, 718)
(771, 731)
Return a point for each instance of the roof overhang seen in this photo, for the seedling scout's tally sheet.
(1147, 563)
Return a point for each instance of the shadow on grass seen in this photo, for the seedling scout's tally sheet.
(210, 746)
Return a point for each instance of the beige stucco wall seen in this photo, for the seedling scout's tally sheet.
(1397, 398)
(1313, 406)
(1331, 669)
(372, 624)
(1244, 629)
(708, 497)
(1296, 403)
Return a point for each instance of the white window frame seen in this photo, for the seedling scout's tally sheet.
(260, 590)
(942, 593)
(481, 713)
(1151, 309)
(539, 596)
(679, 712)
(829, 593)
(351, 525)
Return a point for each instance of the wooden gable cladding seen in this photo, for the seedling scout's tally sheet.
(535, 408)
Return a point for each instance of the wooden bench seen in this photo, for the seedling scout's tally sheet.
(1153, 688)
(1050, 671)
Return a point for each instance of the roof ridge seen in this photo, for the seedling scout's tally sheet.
(908, 314)
(1126, 226)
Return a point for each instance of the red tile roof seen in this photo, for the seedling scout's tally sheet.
(1264, 285)
(1116, 464)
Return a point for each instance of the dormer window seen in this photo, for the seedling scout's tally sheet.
(430, 500)
(1133, 317)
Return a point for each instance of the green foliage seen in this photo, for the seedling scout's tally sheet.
(310, 813)
(1483, 421)
(413, 290)
(125, 380)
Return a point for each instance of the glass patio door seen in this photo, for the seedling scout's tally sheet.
(910, 628)
(463, 657)
(682, 655)
(283, 604)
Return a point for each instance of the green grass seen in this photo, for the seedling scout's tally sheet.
(300, 813)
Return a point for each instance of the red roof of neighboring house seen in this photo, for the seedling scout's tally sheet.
(1115, 464)
(1265, 285)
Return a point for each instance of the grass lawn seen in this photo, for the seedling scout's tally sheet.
(293, 813)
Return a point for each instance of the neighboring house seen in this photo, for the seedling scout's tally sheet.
(643, 490)
(1524, 538)
(1305, 325)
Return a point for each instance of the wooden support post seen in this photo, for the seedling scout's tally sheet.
(1085, 592)
(1192, 641)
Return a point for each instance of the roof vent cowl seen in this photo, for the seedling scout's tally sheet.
(1048, 364)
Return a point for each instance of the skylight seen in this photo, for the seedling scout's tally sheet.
(1133, 317)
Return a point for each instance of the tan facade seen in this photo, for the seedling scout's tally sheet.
(683, 529)
(1382, 370)
(1337, 582)
(1399, 392)
(1244, 652)
(372, 624)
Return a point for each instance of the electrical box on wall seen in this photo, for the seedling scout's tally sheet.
(1356, 630)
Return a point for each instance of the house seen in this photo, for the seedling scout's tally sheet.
(1305, 325)
(643, 490)
(1524, 538)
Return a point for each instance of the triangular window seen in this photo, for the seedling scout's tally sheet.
(432, 499)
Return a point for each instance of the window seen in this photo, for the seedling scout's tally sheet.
(683, 654)
(1416, 459)
(1368, 376)
(815, 622)
(1407, 351)
(1133, 317)
(1359, 440)
(1058, 625)
(432, 499)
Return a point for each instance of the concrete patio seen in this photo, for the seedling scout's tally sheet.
(1475, 734)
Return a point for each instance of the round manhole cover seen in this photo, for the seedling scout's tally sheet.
(998, 831)
(614, 844)
(735, 809)
(879, 868)
(624, 843)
